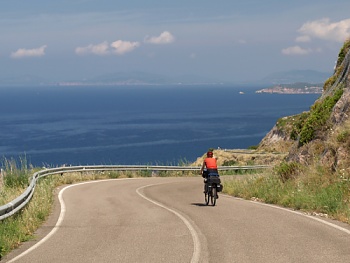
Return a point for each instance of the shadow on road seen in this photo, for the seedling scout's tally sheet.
(199, 204)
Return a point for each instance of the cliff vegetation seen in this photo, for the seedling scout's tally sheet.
(314, 175)
(319, 135)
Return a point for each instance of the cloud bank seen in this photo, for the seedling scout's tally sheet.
(120, 47)
(322, 29)
(35, 52)
(295, 50)
(99, 49)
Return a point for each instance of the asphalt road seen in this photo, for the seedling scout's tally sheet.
(165, 220)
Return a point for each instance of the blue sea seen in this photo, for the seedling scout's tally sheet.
(135, 124)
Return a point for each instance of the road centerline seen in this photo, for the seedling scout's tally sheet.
(194, 234)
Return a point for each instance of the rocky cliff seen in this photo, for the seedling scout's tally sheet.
(321, 134)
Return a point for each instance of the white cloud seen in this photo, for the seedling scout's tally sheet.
(164, 38)
(99, 49)
(321, 29)
(324, 29)
(35, 52)
(295, 50)
(117, 47)
(121, 47)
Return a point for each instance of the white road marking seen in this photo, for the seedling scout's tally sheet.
(59, 221)
(308, 216)
(347, 231)
(196, 242)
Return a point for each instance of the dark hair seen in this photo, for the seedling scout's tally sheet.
(209, 154)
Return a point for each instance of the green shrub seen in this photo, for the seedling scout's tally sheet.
(229, 163)
(329, 82)
(319, 115)
(343, 51)
(297, 125)
(287, 171)
(339, 69)
(253, 147)
(113, 175)
(282, 122)
(343, 136)
(307, 132)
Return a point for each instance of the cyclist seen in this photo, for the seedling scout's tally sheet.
(209, 166)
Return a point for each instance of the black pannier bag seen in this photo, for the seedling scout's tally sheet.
(219, 187)
(214, 178)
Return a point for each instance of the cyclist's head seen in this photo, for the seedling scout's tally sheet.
(210, 154)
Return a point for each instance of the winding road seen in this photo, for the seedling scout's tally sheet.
(165, 220)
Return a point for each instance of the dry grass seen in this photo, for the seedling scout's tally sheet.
(244, 157)
(309, 188)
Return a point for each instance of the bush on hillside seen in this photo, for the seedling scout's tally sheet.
(287, 171)
(319, 115)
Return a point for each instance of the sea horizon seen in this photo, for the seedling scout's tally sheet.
(53, 126)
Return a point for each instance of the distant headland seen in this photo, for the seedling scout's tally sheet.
(296, 88)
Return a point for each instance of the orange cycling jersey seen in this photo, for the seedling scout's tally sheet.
(210, 163)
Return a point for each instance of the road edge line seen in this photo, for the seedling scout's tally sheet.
(60, 218)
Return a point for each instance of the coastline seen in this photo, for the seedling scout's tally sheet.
(279, 89)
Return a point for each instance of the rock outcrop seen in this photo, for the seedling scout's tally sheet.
(276, 140)
(322, 134)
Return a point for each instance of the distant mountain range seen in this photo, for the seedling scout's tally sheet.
(143, 78)
(22, 80)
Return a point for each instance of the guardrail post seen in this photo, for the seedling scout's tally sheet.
(2, 177)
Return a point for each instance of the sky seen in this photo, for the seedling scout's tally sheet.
(227, 40)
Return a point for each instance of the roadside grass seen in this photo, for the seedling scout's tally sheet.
(14, 179)
(311, 190)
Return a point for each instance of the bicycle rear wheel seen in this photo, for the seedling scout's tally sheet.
(213, 196)
(207, 197)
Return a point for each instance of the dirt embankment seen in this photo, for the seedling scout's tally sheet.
(237, 157)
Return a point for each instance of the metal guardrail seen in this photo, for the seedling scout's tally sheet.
(18, 203)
